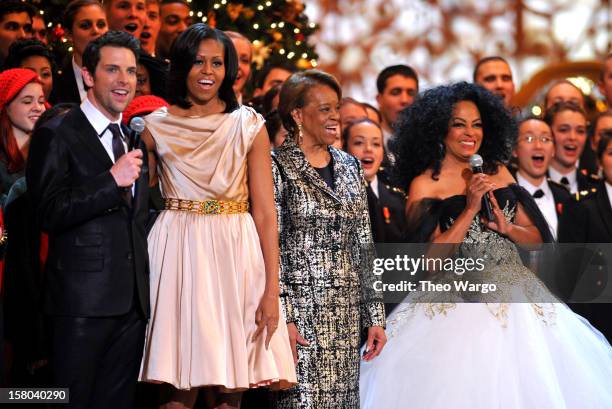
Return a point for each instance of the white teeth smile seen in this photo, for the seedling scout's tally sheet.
(570, 147)
(206, 82)
(367, 160)
(467, 143)
(120, 91)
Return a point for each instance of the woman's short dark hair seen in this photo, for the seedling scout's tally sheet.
(346, 132)
(25, 48)
(73, 8)
(183, 56)
(423, 126)
(158, 73)
(559, 107)
(294, 92)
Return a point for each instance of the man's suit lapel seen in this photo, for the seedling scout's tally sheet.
(88, 137)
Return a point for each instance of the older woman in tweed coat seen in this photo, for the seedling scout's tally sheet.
(324, 236)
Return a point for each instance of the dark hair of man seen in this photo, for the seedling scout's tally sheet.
(25, 48)
(373, 108)
(260, 80)
(183, 56)
(295, 91)
(119, 39)
(388, 72)
(602, 72)
(606, 139)
(347, 130)
(73, 8)
(554, 84)
(53, 112)
(423, 127)
(486, 60)
(13, 6)
(595, 121)
(559, 107)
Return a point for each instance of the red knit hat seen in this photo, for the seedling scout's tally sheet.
(12, 82)
(142, 105)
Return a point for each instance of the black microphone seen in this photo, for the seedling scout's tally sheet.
(487, 209)
(137, 125)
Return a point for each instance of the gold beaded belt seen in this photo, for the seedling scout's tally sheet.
(207, 206)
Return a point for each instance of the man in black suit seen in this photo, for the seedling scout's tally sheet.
(91, 198)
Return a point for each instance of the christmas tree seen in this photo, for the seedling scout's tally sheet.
(278, 29)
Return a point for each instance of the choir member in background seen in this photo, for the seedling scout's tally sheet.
(39, 28)
(535, 148)
(21, 104)
(151, 77)
(494, 73)
(32, 54)
(398, 86)
(605, 80)
(600, 124)
(175, 19)
(84, 21)
(244, 49)
(569, 128)
(590, 221)
(152, 25)
(276, 130)
(350, 110)
(387, 205)
(126, 15)
(565, 91)
(373, 113)
(15, 23)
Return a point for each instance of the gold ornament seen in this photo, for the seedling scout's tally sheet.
(261, 53)
(304, 64)
(277, 36)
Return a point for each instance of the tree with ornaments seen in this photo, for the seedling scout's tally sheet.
(278, 29)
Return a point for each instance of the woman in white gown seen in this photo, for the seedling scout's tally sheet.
(501, 355)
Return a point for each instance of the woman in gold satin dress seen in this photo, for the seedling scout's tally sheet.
(214, 266)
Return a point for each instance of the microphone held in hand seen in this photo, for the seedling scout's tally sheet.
(487, 209)
(137, 125)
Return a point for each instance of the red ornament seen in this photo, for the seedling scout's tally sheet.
(299, 37)
(58, 31)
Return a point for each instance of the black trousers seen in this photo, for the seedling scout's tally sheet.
(98, 359)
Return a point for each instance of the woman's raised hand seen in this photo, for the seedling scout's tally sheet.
(478, 186)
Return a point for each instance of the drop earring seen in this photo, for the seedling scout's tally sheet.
(300, 135)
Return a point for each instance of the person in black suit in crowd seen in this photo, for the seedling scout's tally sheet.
(534, 150)
(91, 198)
(84, 21)
(590, 221)
(569, 127)
(363, 139)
